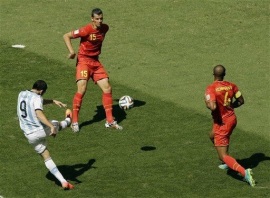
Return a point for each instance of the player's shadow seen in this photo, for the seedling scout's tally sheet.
(250, 162)
(71, 173)
(119, 113)
(148, 148)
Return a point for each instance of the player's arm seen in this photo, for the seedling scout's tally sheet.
(58, 103)
(210, 100)
(41, 116)
(67, 38)
(211, 105)
(239, 100)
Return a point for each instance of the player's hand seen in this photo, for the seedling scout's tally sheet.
(60, 104)
(53, 132)
(71, 55)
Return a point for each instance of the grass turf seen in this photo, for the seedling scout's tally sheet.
(164, 150)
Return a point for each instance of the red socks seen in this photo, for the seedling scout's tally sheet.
(77, 102)
(107, 102)
(232, 163)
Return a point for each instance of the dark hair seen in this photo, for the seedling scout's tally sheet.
(96, 11)
(219, 71)
(40, 85)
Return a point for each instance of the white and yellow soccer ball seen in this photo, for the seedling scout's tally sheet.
(126, 102)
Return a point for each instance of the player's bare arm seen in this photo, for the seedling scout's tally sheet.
(211, 105)
(58, 103)
(67, 38)
(44, 120)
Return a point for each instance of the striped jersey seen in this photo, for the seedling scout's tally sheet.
(28, 102)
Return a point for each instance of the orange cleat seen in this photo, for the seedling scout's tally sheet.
(67, 186)
(68, 113)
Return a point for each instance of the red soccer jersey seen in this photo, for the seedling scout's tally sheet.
(91, 39)
(222, 92)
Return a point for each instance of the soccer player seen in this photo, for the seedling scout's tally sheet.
(221, 97)
(37, 127)
(88, 66)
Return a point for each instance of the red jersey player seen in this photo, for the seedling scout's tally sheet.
(88, 66)
(221, 97)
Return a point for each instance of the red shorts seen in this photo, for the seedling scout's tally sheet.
(222, 132)
(90, 68)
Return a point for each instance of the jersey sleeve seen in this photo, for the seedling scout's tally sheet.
(209, 94)
(38, 103)
(81, 32)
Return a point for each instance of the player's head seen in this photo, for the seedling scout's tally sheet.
(219, 72)
(97, 17)
(41, 86)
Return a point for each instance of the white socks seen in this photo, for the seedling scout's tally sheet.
(54, 170)
(65, 123)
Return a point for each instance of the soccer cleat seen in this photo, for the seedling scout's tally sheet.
(75, 127)
(248, 177)
(223, 166)
(67, 186)
(113, 125)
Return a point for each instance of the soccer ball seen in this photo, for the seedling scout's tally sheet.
(126, 102)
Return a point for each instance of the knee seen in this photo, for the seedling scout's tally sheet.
(45, 154)
(82, 88)
(221, 158)
(106, 88)
(81, 91)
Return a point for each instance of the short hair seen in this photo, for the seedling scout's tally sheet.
(219, 71)
(40, 85)
(96, 11)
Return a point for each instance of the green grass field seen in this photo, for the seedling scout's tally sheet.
(160, 52)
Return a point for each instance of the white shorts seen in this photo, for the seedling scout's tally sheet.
(38, 138)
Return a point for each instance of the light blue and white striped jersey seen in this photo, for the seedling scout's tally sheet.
(28, 102)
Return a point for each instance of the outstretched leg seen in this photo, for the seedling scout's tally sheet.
(49, 163)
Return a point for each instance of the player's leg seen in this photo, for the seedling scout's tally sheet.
(216, 127)
(101, 78)
(38, 141)
(82, 77)
(49, 163)
(234, 165)
(229, 160)
(107, 99)
(107, 102)
(222, 140)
